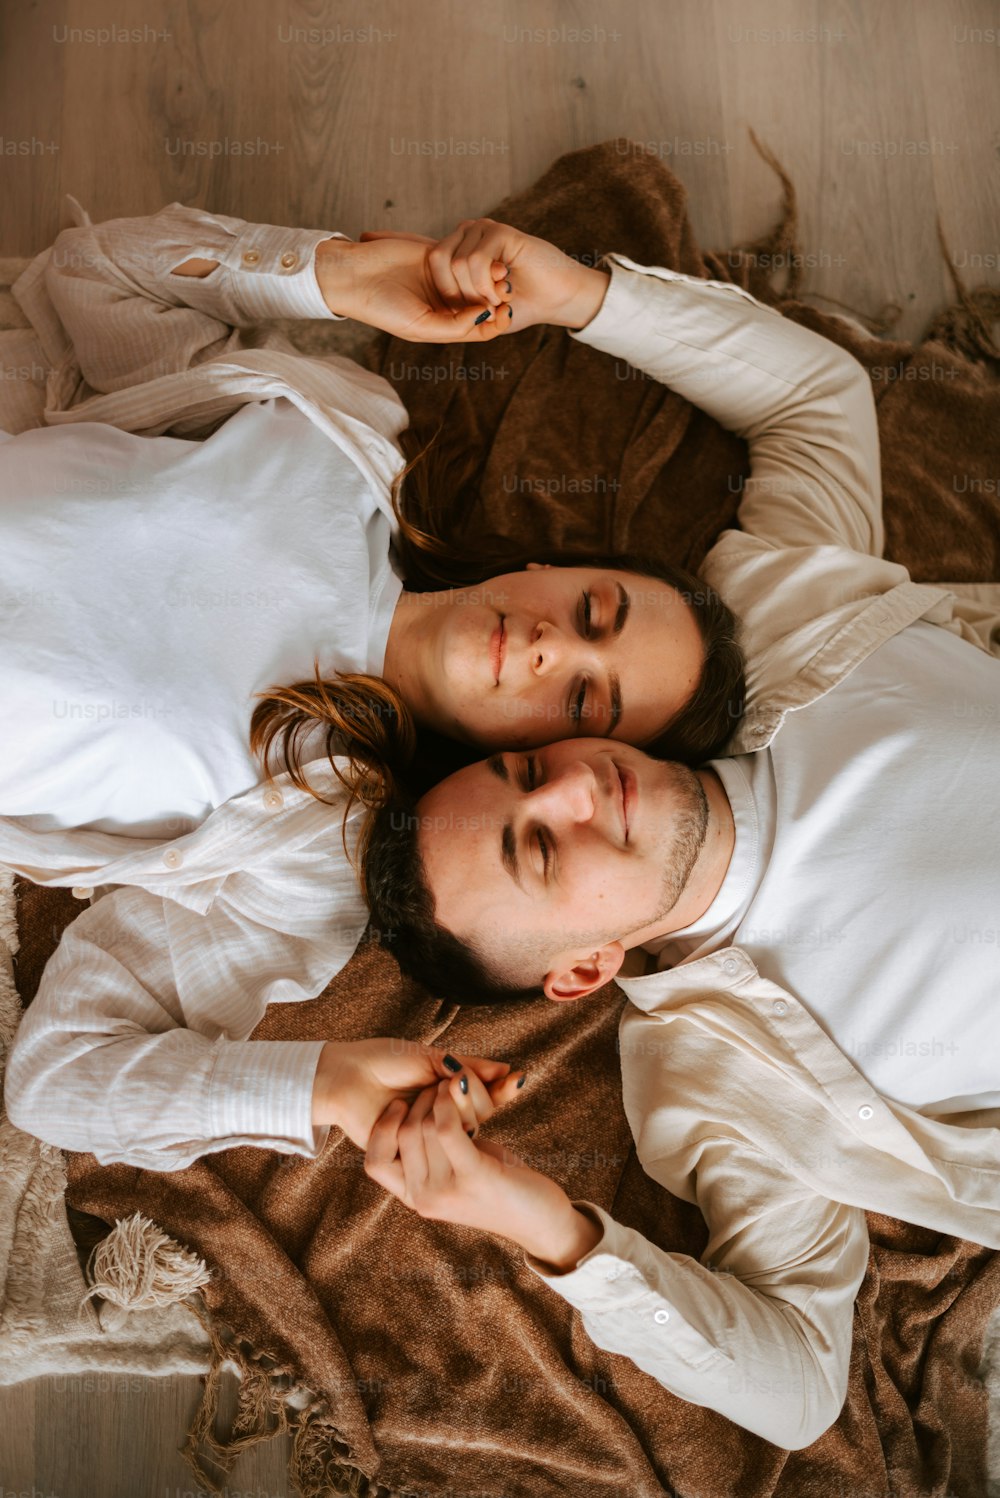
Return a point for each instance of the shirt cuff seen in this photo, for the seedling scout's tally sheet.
(260, 1092)
(274, 272)
(605, 1271)
(623, 324)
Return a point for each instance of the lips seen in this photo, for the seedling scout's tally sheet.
(627, 782)
(498, 649)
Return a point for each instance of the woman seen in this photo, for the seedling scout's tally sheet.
(157, 589)
(154, 588)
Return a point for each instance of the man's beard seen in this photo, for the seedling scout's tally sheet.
(685, 840)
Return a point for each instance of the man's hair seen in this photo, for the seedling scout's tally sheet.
(402, 911)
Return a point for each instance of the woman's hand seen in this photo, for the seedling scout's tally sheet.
(433, 291)
(356, 1080)
(423, 1156)
(385, 280)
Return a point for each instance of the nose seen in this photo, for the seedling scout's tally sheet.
(569, 797)
(547, 648)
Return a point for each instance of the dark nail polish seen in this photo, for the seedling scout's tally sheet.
(481, 318)
(464, 1084)
(508, 285)
(510, 312)
(452, 1064)
(521, 1081)
(471, 1133)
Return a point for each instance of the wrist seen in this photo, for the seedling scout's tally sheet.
(586, 301)
(567, 1238)
(336, 274)
(328, 1086)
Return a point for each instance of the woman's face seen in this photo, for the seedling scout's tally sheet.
(552, 652)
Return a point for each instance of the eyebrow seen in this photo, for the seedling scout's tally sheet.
(497, 765)
(624, 604)
(508, 854)
(614, 680)
(616, 700)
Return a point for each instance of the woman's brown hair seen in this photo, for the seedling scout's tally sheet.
(365, 720)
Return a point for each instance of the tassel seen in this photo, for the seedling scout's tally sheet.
(138, 1267)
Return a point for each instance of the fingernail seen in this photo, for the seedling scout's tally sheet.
(481, 318)
(507, 285)
(521, 1080)
(471, 1133)
(452, 1064)
(510, 312)
(464, 1084)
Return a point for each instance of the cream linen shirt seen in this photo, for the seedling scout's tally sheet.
(738, 1100)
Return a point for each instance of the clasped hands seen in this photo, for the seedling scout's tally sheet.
(418, 1117)
(482, 280)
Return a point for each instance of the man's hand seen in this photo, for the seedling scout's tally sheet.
(356, 1080)
(546, 286)
(423, 1155)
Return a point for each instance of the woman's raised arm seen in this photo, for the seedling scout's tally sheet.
(130, 318)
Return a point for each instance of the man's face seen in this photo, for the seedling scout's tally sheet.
(551, 652)
(542, 857)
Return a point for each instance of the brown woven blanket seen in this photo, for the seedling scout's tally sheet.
(440, 1365)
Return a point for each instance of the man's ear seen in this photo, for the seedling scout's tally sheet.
(585, 976)
(537, 566)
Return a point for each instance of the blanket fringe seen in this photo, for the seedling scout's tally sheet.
(270, 1403)
(967, 326)
(139, 1267)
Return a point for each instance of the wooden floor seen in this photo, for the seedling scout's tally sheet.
(416, 113)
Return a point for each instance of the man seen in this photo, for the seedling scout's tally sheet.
(811, 933)
(805, 567)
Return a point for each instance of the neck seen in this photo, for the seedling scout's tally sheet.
(407, 650)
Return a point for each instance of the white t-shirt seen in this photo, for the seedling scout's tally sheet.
(866, 873)
(149, 587)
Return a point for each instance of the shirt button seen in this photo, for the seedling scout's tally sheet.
(730, 965)
(172, 858)
(779, 1006)
(661, 1316)
(865, 1112)
(250, 257)
(289, 259)
(82, 891)
(273, 800)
